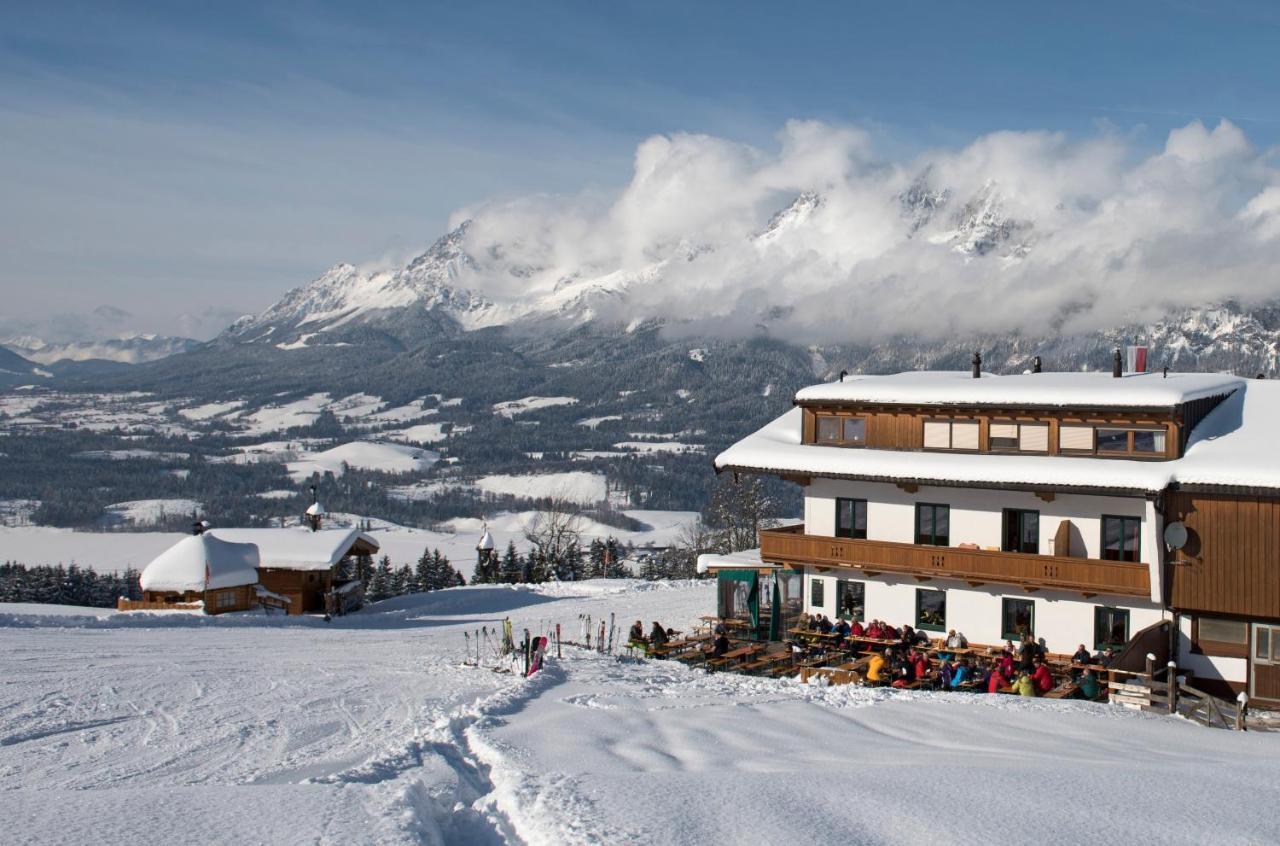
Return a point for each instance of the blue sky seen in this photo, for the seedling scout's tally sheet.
(199, 161)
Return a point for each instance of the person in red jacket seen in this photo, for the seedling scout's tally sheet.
(997, 679)
(856, 630)
(1042, 678)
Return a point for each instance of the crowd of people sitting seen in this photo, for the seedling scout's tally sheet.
(1022, 667)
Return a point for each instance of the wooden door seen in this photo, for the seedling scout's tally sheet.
(1264, 663)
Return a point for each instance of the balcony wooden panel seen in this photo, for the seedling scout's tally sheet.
(790, 545)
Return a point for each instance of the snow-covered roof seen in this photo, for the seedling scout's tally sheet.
(1233, 446)
(748, 559)
(202, 562)
(486, 541)
(315, 509)
(1029, 390)
(298, 548)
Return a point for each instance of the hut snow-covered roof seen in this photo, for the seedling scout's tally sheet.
(202, 562)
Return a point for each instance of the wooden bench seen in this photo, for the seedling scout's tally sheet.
(1063, 691)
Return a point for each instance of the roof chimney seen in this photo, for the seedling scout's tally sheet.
(1035, 364)
(977, 364)
(1117, 364)
(843, 373)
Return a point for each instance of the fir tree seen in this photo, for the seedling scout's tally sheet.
(511, 570)
(380, 583)
(424, 575)
(402, 580)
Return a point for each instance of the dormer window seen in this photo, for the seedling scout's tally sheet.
(1117, 441)
(951, 434)
(1023, 437)
(840, 430)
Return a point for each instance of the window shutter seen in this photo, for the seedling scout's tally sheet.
(964, 435)
(937, 434)
(1033, 437)
(1004, 430)
(1075, 437)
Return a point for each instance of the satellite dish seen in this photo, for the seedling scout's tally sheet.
(1175, 535)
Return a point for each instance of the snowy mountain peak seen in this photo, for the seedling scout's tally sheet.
(983, 226)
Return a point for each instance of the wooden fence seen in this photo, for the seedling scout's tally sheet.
(1145, 690)
(123, 604)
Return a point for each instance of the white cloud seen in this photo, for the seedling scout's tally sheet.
(1036, 230)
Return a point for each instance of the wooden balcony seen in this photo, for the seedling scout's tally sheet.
(1089, 576)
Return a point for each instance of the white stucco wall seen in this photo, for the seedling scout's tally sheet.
(1208, 666)
(977, 514)
(1064, 620)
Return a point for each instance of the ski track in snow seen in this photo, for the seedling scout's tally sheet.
(373, 730)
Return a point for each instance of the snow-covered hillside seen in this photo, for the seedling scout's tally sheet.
(132, 348)
(164, 728)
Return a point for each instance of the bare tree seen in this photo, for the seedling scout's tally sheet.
(738, 510)
(554, 528)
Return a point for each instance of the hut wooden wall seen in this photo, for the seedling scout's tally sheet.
(1231, 563)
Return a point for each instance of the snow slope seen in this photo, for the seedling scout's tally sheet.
(366, 455)
(575, 486)
(370, 730)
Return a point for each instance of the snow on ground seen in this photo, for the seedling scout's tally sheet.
(275, 418)
(593, 422)
(512, 408)
(575, 486)
(104, 552)
(149, 512)
(208, 411)
(365, 455)
(145, 728)
(423, 433)
(658, 446)
(280, 494)
(132, 454)
(115, 551)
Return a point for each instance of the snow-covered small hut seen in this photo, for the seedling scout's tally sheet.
(203, 568)
(303, 565)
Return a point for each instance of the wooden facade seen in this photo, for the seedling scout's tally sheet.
(304, 588)
(902, 427)
(1230, 565)
(1090, 577)
(218, 601)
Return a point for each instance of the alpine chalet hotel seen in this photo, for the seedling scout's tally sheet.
(1077, 507)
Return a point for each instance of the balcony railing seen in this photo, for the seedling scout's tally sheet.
(790, 545)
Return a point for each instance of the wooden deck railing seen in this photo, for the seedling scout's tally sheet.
(123, 604)
(790, 545)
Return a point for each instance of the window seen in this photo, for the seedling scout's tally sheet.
(931, 610)
(851, 600)
(1002, 436)
(1021, 531)
(933, 524)
(1148, 442)
(951, 434)
(1223, 638)
(1017, 618)
(828, 429)
(1266, 644)
(841, 431)
(1115, 441)
(851, 518)
(1075, 438)
(226, 599)
(817, 598)
(855, 430)
(1120, 536)
(1110, 627)
(1025, 437)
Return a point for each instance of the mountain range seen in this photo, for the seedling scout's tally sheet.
(351, 324)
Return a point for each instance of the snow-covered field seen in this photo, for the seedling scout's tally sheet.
(577, 486)
(169, 728)
(114, 551)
